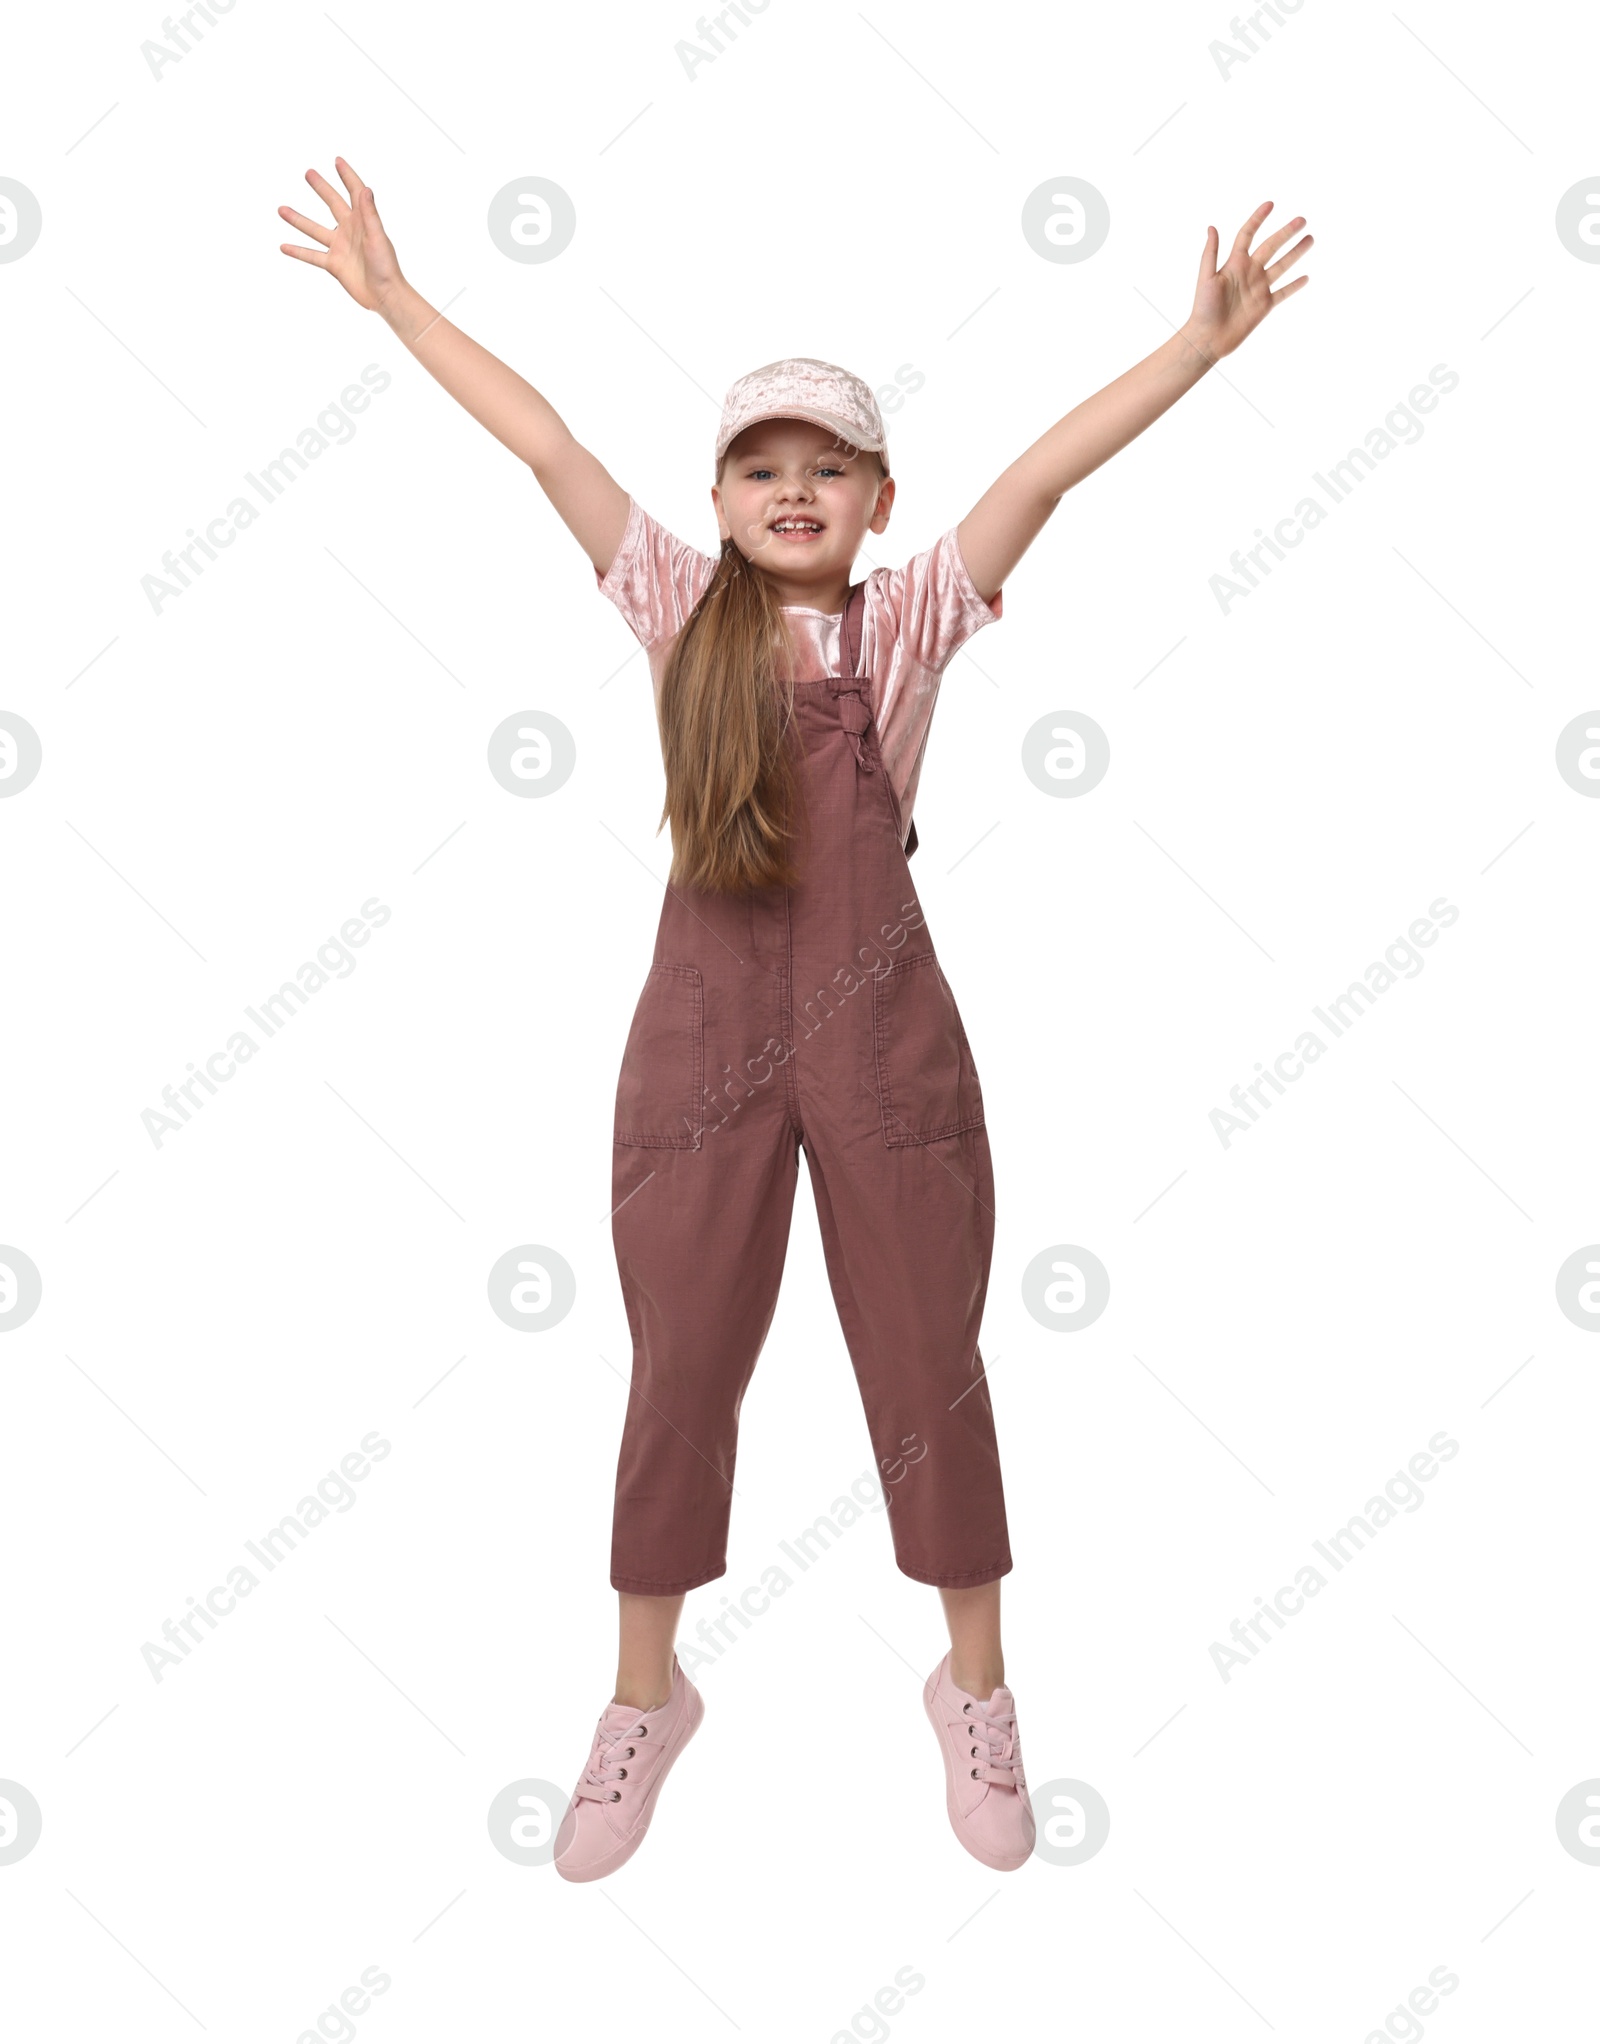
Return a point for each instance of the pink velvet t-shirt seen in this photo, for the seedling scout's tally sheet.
(915, 620)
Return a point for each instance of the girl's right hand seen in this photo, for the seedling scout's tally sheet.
(357, 251)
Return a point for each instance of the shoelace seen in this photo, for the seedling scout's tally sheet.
(997, 1755)
(607, 1765)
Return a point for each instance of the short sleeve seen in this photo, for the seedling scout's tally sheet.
(655, 579)
(935, 604)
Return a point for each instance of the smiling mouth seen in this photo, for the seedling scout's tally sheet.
(797, 531)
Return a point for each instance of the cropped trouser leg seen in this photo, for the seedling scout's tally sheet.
(700, 1237)
(907, 1234)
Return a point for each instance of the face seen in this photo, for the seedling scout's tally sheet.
(787, 473)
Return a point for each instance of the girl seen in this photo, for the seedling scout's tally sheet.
(795, 999)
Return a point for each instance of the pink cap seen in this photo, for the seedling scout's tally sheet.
(801, 387)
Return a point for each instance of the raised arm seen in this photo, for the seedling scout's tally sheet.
(357, 251)
(1228, 304)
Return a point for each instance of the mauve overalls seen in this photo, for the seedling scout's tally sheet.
(812, 1016)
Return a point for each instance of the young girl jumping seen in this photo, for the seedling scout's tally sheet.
(795, 1000)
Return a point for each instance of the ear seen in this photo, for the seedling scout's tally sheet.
(884, 505)
(724, 530)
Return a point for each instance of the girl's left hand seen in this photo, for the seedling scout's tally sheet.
(1232, 302)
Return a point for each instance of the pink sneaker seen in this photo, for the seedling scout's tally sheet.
(985, 1793)
(612, 1805)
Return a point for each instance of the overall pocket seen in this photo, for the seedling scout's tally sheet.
(659, 1090)
(927, 1081)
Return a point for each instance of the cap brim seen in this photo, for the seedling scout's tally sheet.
(812, 418)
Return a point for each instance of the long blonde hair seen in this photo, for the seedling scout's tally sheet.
(734, 797)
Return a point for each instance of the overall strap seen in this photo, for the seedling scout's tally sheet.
(850, 630)
(851, 688)
(850, 660)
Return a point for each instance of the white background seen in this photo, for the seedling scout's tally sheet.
(1291, 1317)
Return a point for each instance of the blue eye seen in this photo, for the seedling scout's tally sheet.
(755, 472)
